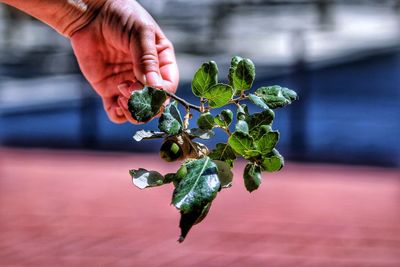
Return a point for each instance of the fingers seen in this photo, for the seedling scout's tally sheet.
(145, 56)
(114, 111)
(127, 87)
(168, 66)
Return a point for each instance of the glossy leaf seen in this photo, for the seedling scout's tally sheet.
(276, 96)
(243, 144)
(170, 120)
(143, 134)
(146, 103)
(267, 142)
(202, 134)
(273, 162)
(205, 121)
(223, 152)
(242, 126)
(256, 120)
(219, 95)
(252, 176)
(289, 94)
(143, 178)
(243, 77)
(258, 101)
(199, 187)
(242, 112)
(191, 218)
(225, 174)
(205, 78)
(224, 119)
(265, 129)
(234, 62)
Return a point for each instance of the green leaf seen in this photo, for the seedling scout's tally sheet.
(195, 192)
(181, 172)
(234, 62)
(256, 120)
(143, 134)
(225, 175)
(252, 177)
(273, 162)
(223, 152)
(243, 144)
(242, 112)
(176, 177)
(276, 96)
(258, 101)
(146, 103)
(202, 134)
(143, 178)
(224, 119)
(169, 177)
(179, 175)
(205, 77)
(243, 76)
(289, 94)
(206, 121)
(219, 95)
(189, 219)
(265, 129)
(242, 126)
(199, 186)
(170, 120)
(267, 142)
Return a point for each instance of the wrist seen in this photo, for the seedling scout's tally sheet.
(80, 13)
(65, 16)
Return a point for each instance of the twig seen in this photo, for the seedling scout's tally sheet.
(186, 119)
(240, 98)
(202, 102)
(183, 101)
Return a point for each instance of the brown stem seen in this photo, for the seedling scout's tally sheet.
(240, 98)
(186, 119)
(202, 102)
(226, 129)
(183, 102)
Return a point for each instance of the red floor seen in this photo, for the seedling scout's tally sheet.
(80, 209)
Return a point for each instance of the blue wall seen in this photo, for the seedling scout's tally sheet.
(347, 113)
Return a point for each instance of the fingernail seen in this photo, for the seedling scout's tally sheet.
(123, 102)
(153, 79)
(124, 89)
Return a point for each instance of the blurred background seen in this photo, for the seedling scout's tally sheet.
(342, 57)
(342, 138)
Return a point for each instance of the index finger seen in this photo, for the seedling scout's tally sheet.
(167, 63)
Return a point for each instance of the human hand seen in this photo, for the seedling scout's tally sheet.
(121, 50)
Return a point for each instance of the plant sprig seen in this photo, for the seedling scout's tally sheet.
(203, 172)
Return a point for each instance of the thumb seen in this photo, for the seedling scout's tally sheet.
(145, 57)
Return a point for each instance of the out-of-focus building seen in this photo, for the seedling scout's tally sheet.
(341, 56)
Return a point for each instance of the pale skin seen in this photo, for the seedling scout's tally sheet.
(118, 45)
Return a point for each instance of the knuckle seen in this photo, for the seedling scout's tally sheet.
(149, 61)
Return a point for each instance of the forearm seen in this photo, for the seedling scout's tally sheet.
(65, 16)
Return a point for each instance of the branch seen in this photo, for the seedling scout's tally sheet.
(183, 101)
(240, 98)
